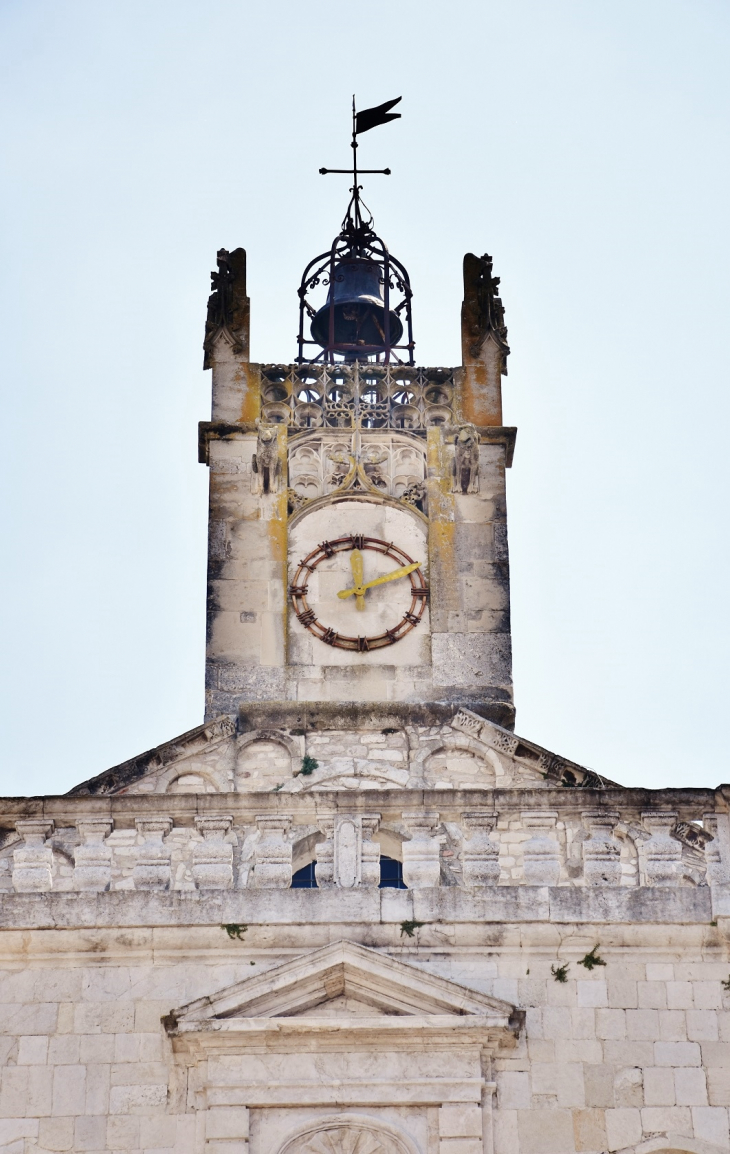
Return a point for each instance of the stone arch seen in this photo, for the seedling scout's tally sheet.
(348, 1134)
(458, 761)
(676, 1144)
(374, 498)
(390, 842)
(265, 759)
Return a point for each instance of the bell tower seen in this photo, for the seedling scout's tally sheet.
(358, 525)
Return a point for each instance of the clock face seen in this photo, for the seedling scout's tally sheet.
(360, 593)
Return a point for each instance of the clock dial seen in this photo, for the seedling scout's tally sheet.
(359, 593)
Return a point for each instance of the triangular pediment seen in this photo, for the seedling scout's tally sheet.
(332, 976)
(530, 765)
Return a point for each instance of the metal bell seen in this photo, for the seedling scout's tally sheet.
(359, 310)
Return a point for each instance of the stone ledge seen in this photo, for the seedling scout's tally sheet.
(499, 904)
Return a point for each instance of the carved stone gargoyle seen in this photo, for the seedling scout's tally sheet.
(265, 463)
(466, 460)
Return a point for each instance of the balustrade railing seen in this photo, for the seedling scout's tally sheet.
(476, 848)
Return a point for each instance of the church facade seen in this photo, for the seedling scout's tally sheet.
(354, 912)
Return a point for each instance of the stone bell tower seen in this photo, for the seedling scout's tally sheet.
(353, 467)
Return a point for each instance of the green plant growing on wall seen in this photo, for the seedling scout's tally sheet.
(560, 973)
(234, 930)
(407, 928)
(309, 764)
(592, 959)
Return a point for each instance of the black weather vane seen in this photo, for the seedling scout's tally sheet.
(363, 122)
(368, 307)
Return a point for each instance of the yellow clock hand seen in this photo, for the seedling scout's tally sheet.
(356, 564)
(392, 576)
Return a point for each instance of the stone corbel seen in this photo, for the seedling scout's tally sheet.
(541, 853)
(662, 853)
(152, 869)
(272, 853)
(33, 861)
(93, 859)
(212, 866)
(421, 865)
(601, 852)
(479, 855)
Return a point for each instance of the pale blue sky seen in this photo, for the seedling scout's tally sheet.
(584, 145)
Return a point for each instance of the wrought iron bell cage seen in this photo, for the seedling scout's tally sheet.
(359, 327)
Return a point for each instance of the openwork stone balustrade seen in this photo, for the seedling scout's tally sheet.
(260, 846)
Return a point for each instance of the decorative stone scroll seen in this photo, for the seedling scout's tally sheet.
(479, 855)
(33, 861)
(421, 865)
(601, 853)
(93, 859)
(541, 854)
(152, 869)
(212, 867)
(272, 853)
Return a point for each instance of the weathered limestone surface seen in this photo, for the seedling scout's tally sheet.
(554, 975)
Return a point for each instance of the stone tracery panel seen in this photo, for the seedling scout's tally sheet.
(320, 464)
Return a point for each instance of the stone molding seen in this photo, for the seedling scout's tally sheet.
(410, 1006)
